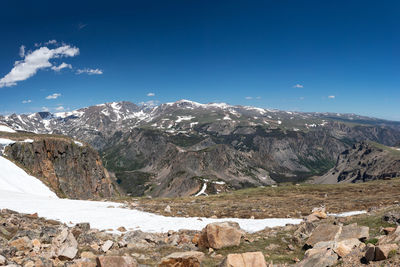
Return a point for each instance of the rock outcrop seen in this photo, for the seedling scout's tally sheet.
(71, 169)
(364, 161)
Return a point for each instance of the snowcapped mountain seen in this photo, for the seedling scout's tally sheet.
(175, 148)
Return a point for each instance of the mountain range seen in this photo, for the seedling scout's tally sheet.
(186, 148)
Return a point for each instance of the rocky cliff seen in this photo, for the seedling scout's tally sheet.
(363, 162)
(69, 168)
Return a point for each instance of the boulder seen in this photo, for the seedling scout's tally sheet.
(220, 235)
(323, 232)
(248, 259)
(354, 231)
(318, 257)
(107, 245)
(183, 259)
(370, 252)
(394, 237)
(320, 213)
(65, 245)
(116, 261)
(344, 247)
(382, 252)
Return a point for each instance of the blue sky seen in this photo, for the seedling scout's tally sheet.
(337, 56)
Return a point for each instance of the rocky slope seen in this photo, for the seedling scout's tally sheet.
(179, 148)
(363, 162)
(70, 168)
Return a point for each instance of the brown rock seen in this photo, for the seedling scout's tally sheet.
(370, 252)
(323, 232)
(318, 257)
(220, 235)
(183, 259)
(344, 247)
(249, 259)
(394, 237)
(23, 243)
(65, 245)
(116, 261)
(121, 229)
(382, 252)
(354, 231)
(388, 230)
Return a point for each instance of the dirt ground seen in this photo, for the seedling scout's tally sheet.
(286, 200)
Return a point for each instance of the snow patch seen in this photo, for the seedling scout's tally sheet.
(184, 118)
(5, 128)
(202, 191)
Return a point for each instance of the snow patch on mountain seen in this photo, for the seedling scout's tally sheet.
(5, 128)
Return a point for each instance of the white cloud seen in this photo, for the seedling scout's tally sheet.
(301, 97)
(331, 96)
(61, 66)
(248, 97)
(22, 51)
(34, 61)
(53, 96)
(45, 109)
(89, 71)
(26, 101)
(60, 108)
(51, 42)
(298, 86)
(151, 94)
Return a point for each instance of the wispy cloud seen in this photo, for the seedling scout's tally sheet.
(22, 51)
(45, 109)
(298, 86)
(53, 96)
(89, 71)
(151, 94)
(26, 101)
(331, 97)
(301, 97)
(34, 61)
(60, 108)
(61, 66)
(81, 26)
(249, 97)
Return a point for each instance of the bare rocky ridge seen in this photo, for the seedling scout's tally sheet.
(176, 149)
(364, 162)
(71, 169)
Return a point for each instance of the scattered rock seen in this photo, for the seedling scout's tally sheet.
(344, 247)
(220, 235)
(249, 259)
(107, 245)
(167, 209)
(183, 259)
(318, 257)
(392, 217)
(121, 229)
(323, 232)
(116, 261)
(65, 245)
(23, 243)
(370, 252)
(388, 230)
(2, 260)
(354, 231)
(382, 252)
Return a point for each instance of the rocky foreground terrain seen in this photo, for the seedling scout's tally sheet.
(370, 239)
